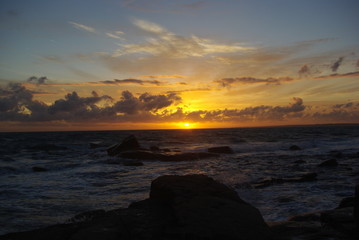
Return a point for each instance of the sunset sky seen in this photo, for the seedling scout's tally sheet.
(157, 64)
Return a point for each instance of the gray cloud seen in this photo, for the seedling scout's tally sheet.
(337, 64)
(132, 81)
(304, 70)
(38, 81)
(129, 104)
(228, 82)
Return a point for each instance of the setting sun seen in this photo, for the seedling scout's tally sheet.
(186, 125)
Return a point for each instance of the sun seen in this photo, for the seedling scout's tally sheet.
(187, 125)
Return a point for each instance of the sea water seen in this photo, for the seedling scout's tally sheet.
(77, 178)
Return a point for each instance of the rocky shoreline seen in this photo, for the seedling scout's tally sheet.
(198, 207)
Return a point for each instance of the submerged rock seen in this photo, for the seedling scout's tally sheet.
(223, 149)
(129, 143)
(329, 163)
(39, 169)
(133, 163)
(294, 148)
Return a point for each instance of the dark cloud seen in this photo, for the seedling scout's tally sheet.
(337, 64)
(336, 75)
(358, 63)
(132, 81)
(228, 82)
(304, 70)
(346, 105)
(129, 104)
(38, 81)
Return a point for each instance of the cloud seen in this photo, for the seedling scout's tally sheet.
(83, 27)
(304, 70)
(131, 81)
(346, 105)
(116, 35)
(228, 82)
(337, 64)
(165, 43)
(337, 75)
(357, 63)
(38, 81)
(164, 76)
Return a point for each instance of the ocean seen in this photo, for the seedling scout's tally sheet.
(48, 177)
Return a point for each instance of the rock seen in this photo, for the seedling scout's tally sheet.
(346, 202)
(329, 163)
(155, 149)
(206, 209)
(96, 144)
(300, 161)
(128, 144)
(86, 216)
(223, 149)
(39, 169)
(294, 148)
(133, 163)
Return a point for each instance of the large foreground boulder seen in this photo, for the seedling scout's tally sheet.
(180, 207)
(206, 209)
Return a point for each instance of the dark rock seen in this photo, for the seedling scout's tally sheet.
(223, 149)
(312, 216)
(346, 202)
(39, 169)
(329, 163)
(96, 144)
(128, 144)
(294, 148)
(155, 149)
(86, 216)
(133, 163)
(206, 209)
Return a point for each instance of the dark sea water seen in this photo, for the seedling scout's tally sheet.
(79, 178)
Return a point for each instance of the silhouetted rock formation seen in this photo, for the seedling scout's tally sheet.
(129, 143)
(329, 163)
(294, 148)
(223, 149)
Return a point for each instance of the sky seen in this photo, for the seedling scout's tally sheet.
(157, 64)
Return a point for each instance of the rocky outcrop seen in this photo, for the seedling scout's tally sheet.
(222, 149)
(179, 207)
(329, 163)
(295, 148)
(128, 144)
